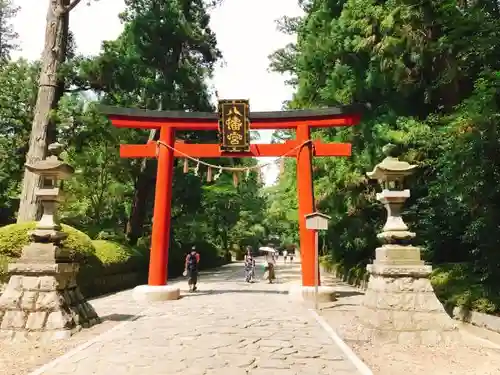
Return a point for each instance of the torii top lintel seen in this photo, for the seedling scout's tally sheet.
(180, 120)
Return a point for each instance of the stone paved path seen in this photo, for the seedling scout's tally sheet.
(229, 327)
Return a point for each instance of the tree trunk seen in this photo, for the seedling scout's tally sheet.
(143, 190)
(52, 56)
(143, 185)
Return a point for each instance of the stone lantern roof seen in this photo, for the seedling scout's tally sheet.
(52, 166)
(391, 168)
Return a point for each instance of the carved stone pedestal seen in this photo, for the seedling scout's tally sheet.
(400, 304)
(42, 300)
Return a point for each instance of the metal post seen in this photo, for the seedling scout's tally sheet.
(316, 268)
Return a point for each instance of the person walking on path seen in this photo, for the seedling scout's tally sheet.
(249, 265)
(269, 271)
(191, 268)
(285, 255)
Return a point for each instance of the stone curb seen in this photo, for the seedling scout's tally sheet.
(478, 319)
(490, 322)
(351, 356)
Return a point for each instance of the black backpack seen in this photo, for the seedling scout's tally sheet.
(192, 262)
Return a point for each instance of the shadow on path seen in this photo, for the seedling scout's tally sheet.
(346, 293)
(232, 291)
(119, 317)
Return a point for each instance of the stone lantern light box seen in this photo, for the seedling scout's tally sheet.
(52, 170)
(390, 173)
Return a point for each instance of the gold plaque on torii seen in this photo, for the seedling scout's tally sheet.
(234, 125)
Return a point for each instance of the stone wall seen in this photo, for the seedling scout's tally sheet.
(105, 284)
(111, 283)
(360, 283)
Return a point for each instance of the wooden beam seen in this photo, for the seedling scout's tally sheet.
(256, 150)
(331, 149)
(257, 124)
(138, 151)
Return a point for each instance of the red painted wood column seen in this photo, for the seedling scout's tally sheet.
(306, 205)
(160, 237)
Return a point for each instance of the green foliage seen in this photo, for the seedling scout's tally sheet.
(8, 36)
(456, 284)
(14, 237)
(430, 72)
(110, 252)
(163, 59)
(115, 266)
(17, 101)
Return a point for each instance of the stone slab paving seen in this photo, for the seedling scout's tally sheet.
(229, 327)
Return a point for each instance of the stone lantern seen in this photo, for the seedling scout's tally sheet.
(51, 170)
(42, 298)
(400, 303)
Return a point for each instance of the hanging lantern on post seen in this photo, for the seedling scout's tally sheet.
(186, 165)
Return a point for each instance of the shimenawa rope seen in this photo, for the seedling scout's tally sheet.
(221, 168)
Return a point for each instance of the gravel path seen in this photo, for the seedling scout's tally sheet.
(235, 328)
(472, 355)
(20, 358)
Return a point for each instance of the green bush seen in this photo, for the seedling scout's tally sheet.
(112, 257)
(110, 252)
(105, 272)
(14, 237)
(456, 284)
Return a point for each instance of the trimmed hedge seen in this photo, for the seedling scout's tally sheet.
(14, 237)
(105, 266)
(115, 267)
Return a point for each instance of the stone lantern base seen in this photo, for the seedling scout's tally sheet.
(42, 300)
(400, 305)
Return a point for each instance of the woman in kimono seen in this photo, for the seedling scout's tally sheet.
(249, 266)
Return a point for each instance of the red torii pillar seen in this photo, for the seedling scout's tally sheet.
(300, 148)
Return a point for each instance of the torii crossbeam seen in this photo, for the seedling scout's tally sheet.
(171, 121)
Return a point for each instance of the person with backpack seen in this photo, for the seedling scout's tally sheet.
(191, 268)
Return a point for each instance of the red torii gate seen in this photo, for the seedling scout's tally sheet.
(301, 148)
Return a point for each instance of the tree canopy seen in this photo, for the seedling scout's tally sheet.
(430, 72)
(162, 60)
